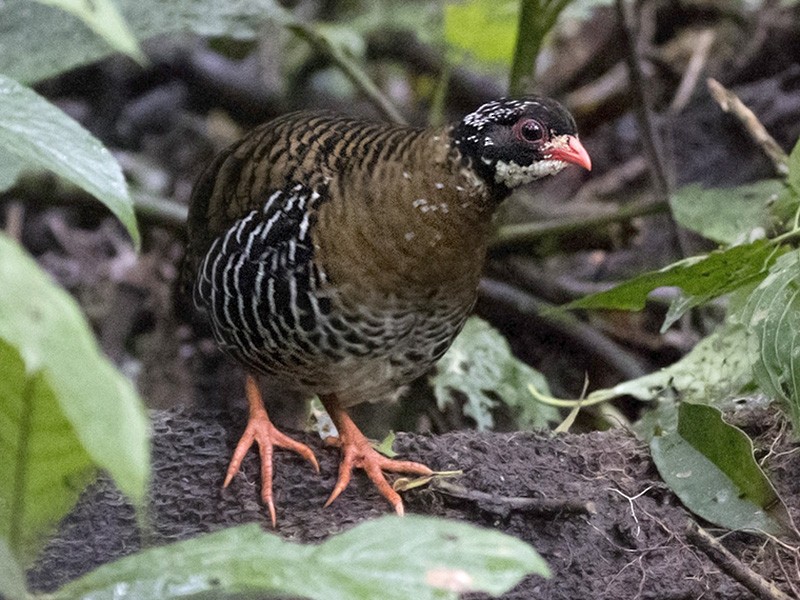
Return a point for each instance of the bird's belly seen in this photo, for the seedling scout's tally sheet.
(360, 354)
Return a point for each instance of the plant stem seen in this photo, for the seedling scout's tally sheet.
(529, 42)
(322, 44)
(163, 211)
(730, 103)
(648, 134)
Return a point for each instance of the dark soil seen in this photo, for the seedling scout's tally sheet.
(597, 510)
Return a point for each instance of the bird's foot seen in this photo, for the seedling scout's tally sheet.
(261, 431)
(358, 453)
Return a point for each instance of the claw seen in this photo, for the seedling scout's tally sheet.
(358, 453)
(261, 431)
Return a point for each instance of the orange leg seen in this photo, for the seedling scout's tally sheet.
(261, 430)
(357, 452)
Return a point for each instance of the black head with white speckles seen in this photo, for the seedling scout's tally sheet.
(514, 141)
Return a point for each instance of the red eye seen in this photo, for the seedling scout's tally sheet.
(529, 130)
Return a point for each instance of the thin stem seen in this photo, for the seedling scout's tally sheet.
(436, 113)
(651, 147)
(529, 42)
(730, 103)
(728, 563)
(784, 236)
(349, 67)
(163, 211)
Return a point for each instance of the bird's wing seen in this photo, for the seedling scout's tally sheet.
(258, 275)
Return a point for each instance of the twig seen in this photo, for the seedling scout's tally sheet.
(651, 147)
(542, 507)
(349, 67)
(728, 563)
(697, 63)
(730, 103)
(156, 209)
(518, 237)
(162, 211)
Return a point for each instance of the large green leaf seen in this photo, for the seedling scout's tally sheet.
(710, 466)
(772, 316)
(42, 137)
(794, 168)
(44, 466)
(104, 19)
(485, 29)
(727, 216)
(391, 558)
(12, 582)
(46, 327)
(481, 366)
(24, 25)
(701, 278)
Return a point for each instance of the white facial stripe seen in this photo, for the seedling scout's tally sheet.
(512, 175)
(559, 142)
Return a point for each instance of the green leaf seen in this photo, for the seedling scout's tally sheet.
(43, 137)
(386, 446)
(10, 169)
(102, 17)
(390, 558)
(44, 466)
(719, 366)
(709, 464)
(772, 316)
(12, 583)
(794, 169)
(47, 328)
(25, 24)
(728, 216)
(485, 29)
(701, 278)
(481, 366)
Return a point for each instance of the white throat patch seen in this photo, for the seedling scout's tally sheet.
(512, 175)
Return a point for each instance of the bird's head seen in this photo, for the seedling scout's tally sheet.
(511, 142)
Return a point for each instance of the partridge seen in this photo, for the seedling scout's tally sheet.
(340, 257)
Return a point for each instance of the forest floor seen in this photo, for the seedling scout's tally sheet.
(592, 505)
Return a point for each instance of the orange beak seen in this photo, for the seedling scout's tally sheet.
(573, 152)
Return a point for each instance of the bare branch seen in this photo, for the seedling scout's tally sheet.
(727, 562)
(730, 103)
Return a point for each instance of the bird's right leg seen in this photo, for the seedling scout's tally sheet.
(261, 430)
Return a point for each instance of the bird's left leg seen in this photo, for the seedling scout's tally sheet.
(357, 452)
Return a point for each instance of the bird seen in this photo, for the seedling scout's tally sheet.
(340, 257)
